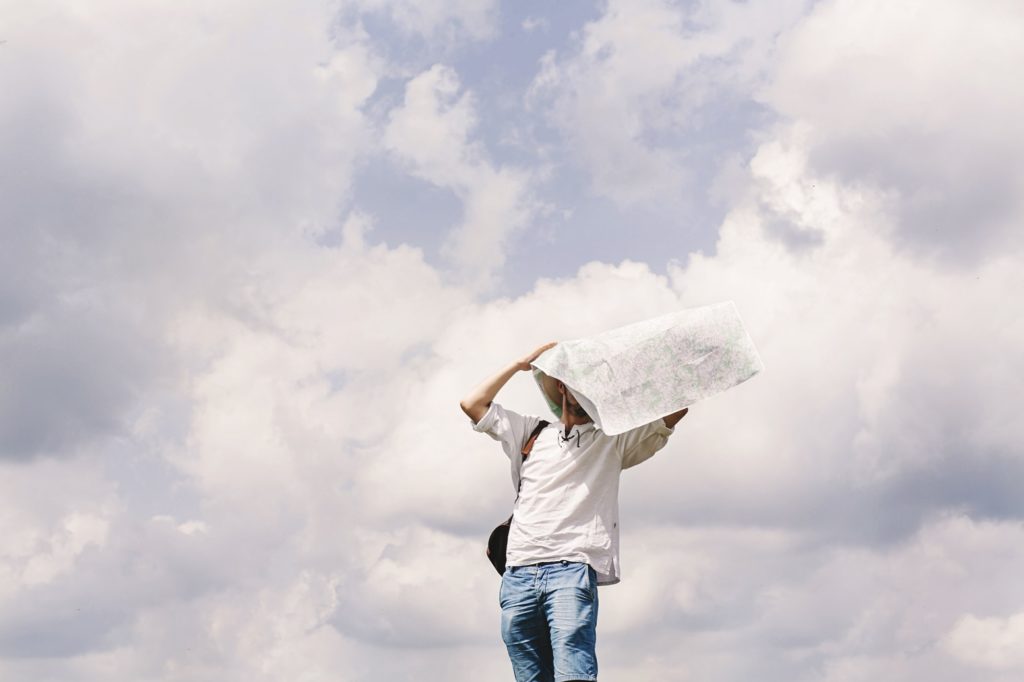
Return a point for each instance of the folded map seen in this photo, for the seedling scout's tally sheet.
(630, 376)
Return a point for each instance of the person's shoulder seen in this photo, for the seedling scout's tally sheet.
(498, 412)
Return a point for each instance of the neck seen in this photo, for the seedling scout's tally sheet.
(569, 418)
(570, 421)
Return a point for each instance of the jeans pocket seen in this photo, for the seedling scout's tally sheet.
(512, 588)
(585, 584)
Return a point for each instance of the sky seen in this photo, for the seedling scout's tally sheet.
(254, 253)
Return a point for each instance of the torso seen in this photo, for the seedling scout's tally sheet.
(568, 500)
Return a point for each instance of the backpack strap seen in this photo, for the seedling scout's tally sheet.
(528, 446)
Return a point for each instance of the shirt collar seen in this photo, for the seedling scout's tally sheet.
(581, 428)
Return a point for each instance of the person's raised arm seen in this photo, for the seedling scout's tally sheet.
(475, 404)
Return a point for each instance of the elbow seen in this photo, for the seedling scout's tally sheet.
(474, 409)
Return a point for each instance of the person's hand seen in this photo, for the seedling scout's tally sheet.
(672, 419)
(524, 363)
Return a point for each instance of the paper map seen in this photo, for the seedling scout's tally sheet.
(630, 376)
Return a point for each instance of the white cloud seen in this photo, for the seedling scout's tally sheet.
(988, 642)
(181, 141)
(45, 536)
(432, 132)
(531, 24)
(643, 76)
(77, 532)
(802, 610)
(888, 103)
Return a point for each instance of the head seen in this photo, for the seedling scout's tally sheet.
(572, 411)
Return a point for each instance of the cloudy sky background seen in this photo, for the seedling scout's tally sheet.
(253, 253)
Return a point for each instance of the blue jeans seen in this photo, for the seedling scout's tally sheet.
(549, 621)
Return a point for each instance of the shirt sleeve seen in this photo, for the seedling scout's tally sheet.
(640, 444)
(507, 427)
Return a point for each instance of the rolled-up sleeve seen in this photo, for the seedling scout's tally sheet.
(641, 443)
(507, 427)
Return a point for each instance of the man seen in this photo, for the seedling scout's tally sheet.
(564, 537)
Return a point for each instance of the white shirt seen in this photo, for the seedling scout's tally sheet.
(568, 505)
